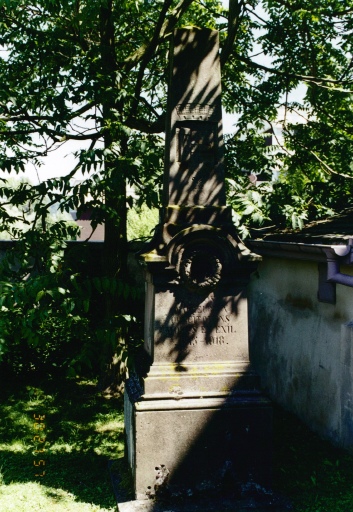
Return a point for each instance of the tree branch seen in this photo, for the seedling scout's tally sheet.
(148, 54)
(236, 13)
(25, 116)
(326, 167)
(168, 25)
(295, 76)
(144, 126)
(71, 136)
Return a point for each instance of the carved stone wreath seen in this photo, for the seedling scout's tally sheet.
(201, 270)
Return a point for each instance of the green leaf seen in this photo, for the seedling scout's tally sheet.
(40, 294)
(86, 305)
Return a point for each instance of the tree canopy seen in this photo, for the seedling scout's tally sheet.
(96, 73)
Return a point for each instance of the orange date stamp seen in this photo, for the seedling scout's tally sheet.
(39, 440)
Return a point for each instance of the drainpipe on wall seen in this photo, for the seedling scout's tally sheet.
(336, 255)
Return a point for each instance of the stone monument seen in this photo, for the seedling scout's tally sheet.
(196, 422)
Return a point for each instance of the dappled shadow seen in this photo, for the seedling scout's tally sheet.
(82, 432)
(71, 473)
(201, 397)
(193, 327)
(201, 426)
(194, 173)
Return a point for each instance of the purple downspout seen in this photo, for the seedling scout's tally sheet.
(335, 276)
(333, 266)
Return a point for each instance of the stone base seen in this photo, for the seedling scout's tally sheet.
(249, 498)
(210, 505)
(190, 446)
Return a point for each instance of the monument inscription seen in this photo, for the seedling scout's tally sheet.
(212, 329)
(197, 143)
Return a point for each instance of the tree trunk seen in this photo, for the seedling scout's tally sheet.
(115, 241)
(115, 237)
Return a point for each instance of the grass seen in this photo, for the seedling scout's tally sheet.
(84, 430)
(316, 476)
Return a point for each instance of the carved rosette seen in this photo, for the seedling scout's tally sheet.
(202, 257)
(201, 270)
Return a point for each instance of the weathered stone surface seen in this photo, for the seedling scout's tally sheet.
(192, 328)
(213, 215)
(194, 172)
(200, 425)
(205, 444)
(219, 504)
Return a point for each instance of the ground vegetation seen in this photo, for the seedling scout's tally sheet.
(83, 443)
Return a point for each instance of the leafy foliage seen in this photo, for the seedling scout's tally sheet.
(47, 322)
(77, 71)
(82, 430)
(298, 44)
(141, 222)
(80, 72)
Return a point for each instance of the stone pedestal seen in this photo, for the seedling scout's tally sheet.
(199, 446)
(201, 423)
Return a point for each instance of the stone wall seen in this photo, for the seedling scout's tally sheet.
(302, 348)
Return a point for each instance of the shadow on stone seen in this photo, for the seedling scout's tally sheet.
(248, 497)
(198, 428)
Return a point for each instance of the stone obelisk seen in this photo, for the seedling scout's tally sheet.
(196, 421)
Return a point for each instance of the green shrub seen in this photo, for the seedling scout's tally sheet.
(141, 222)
